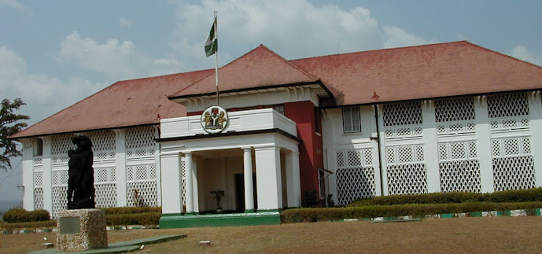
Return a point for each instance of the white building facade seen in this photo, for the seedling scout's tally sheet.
(335, 126)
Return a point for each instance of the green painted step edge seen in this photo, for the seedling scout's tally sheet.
(149, 240)
(266, 218)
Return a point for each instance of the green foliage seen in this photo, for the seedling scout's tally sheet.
(149, 218)
(370, 211)
(130, 210)
(534, 194)
(33, 224)
(21, 215)
(10, 123)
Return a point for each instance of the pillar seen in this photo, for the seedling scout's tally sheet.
(171, 197)
(120, 167)
(292, 179)
(268, 178)
(189, 185)
(195, 197)
(483, 143)
(430, 148)
(535, 120)
(47, 185)
(28, 175)
(247, 166)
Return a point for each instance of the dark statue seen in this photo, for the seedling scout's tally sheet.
(81, 174)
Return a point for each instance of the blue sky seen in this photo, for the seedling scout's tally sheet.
(54, 53)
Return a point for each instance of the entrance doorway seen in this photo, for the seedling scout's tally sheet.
(240, 192)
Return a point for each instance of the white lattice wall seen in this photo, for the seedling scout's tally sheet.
(103, 145)
(37, 178)
(140, 142)
(142, 185)
(59, 192)
(60, 145)
(182, 181)
(459, 167)
(355, 175)
(105, 187)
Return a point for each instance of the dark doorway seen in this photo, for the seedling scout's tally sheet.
(240, 192)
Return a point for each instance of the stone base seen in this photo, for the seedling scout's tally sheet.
(81, 229)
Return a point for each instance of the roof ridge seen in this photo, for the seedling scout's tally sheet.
(305, 72)
(191, 84)
(501, 54)
(377, 50)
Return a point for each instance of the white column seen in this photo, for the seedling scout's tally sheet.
(268, 178)
(292, 179)
(47, 186)
(120, 166)
(483, 143)
(195, 200)
(382, 157)
(170, 183)
(28, 175)
(247, 169)
(535, 120)
(430, 148)
(189, 189)
(157, 160)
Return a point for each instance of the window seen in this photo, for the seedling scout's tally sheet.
(351, 120)
(38, 147)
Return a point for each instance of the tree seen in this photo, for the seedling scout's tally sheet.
(10, 123)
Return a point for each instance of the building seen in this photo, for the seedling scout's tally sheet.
(432, 118)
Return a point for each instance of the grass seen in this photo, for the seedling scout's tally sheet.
(459, 235)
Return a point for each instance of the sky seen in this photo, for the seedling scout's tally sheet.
(55, 53)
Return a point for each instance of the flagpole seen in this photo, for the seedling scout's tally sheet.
(216, 61)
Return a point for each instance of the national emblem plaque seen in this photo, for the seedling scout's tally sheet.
(214, 119)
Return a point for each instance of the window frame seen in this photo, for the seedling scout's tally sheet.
(350, 110)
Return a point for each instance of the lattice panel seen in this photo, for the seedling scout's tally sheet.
(103, 145)
(38, 198)
(404, 154)
(140, 142)
(460, 150)
(454, 109)
(105, 195)
(104, 174)
(355, 158)
(460, 175)
(455, 127)
(354, 184)
(38, 178)
(59, 177)
(509, 123)
(510, 146)
(60, 199)
(182, 181)
(60, 145)
(141, 172)
(407, 179)
(513, 173)
(37, 161)
(507, 105)
(146, 193)
(404, 113)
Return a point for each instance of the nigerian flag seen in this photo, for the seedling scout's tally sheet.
(211, 45)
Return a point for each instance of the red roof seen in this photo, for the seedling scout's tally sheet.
(427, 71)
(260, 67)
(125, 103)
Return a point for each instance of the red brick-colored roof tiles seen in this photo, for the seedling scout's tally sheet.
(260, 67)
(125, 103)
(427, 71)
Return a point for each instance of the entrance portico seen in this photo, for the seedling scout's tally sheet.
(192, 166)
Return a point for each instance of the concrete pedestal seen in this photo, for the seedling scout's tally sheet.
(81, 229)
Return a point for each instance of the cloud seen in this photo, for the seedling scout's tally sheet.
(293, 28)
(43, 94)
(523, 53)
(124, 22)
(11, 3)
(116, 59)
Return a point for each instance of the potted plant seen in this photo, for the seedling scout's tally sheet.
(218, 194)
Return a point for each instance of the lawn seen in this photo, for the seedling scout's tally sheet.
(458, 235)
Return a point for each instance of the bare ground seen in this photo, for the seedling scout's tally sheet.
(458, 235)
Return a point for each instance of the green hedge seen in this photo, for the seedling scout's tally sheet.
(33, 224)
(150, 218)
(131, 210)
(21, 215)
(529, 195)
(328, 214)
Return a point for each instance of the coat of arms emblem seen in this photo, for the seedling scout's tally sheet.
(214, 119)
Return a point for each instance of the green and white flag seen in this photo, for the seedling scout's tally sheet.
(211, 45)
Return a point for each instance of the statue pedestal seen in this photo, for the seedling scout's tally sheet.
(81, 229)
